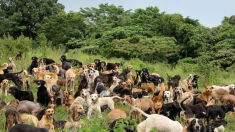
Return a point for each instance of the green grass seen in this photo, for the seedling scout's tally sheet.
(214, 76)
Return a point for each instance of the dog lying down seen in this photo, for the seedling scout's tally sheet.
(159, 122)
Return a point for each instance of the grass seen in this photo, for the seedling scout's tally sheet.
(213, 76)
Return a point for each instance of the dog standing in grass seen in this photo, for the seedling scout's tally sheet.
(12, 64)
(26, 78)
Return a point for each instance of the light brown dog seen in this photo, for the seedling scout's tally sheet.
(116, 114)
(91, 66)
(181, 95)
(47, 120)
(26, 78)
(218, 93)
(68, 99)
(158, 100)
(78, 71)
(228, 99)
(207, 94)
(1, 69)
(74, 121)
(38, 74)
(12, 64)
(28, 119)
(129, 75)
(12, 115)
(5, 85)
(70, 78)
(148, 87)
(129, 84)
(144, 104)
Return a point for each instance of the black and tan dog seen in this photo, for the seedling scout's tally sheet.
(12, 115)
(97, 65)
(34, 64)
(138, 79)
(18, 56)
(145, 75)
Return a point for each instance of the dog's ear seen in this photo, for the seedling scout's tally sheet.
(190, 128)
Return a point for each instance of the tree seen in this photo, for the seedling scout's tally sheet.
(26, 16)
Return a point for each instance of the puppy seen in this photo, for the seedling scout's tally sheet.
(11, 63)
(5, 86)
(26, 78)
(159, 122)
(70, 78)
(12, 115)
(26, 128)
(47, 120)
(21, 95)
(74, 121)
(24, 118)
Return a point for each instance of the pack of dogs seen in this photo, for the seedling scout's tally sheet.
(101, 85)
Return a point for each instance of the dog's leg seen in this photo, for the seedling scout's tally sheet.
(66, 83)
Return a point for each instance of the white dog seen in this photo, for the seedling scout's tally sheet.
(159, 122)
(228, 88)
(167, 97)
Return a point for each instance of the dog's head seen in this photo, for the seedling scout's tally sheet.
(190, 85)
(138, 72)
(10, 59)
(178, 90)
(167, 95)
(79, 109)
(40, 83)
(34, 59)
(72, 77)
(145, 70)
(97, 61)
(94, 98)
(13, 91)
(91, 73)
(56, 88)
(82, 77)
(35, 70)
(231, 87)
(102, 64)
(47, 77)
(66, 94)
(85, 92)
(84, 67)
(117, 65)
(115, 79)
(42, 62)
(129, 83)
(63, 58)
(49, 113)
(92, 66)
(127, 99)
(25, 73)
(15, 103)
(190, 76)
(228, 107)
(129, 67)
(145, 75)
(208, 89)
(5, 82)
(195, 77)
(196, 125)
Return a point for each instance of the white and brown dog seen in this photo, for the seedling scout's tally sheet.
(11, 63)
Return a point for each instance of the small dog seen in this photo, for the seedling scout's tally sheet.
(74, 121)
(26, 78)
(12, 64)
(12, 115)
(47, 120)
(5, 86)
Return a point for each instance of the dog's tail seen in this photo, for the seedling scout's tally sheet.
(182, 105)
(139, 110)
(27, 83)
(6, 65)
(116, 97)
(19, 72)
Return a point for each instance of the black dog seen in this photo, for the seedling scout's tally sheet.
(21, 95)
(42, 94)
(13, 77)
(123, 76)
(65, 65)
(47, 61)
(98, 64)
(171, 110)
(194, 81)
(18, 56)
(34, 64)
(125, 124)
(196, 125)
(73, 62)
(139, 94)
(83, 84)
(215, 125)
(26, 128)
(8, 70)
(138, 79)
(214, 111)
(107, 66)
(173, 81)
(145, 75)
(155, 79)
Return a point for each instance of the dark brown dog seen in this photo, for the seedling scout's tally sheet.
(12, 115)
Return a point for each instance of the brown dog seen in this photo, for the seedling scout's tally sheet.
(74, 121)
(12, 115)
(158, 100)
(116, 114)
(61, 82)
(187, 123)
(207, 94)
(68, 99)
(70, 78)
(47, 120)
(129, 75)
(5, 85)
(148, 87)
(218, 93)
(24, 118)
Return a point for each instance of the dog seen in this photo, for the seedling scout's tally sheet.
(155, 80)
(24, 118)
(26, 78)
(5, 86)
(97, 65)
(74, 121)
(124, 75)
(228, 88)
(26, 128)
(173, 81)
(21, 95)
(73, 62)
(145, 75)
(4, 68)
(28, 107)
(129, 68)
(12, 115)
(217, 94)
(216, 126)
(12, 76)
(207, 94)
(61, 82)
(66, 65)
(114, 84)
(47, 120)
(57, 94)
(159, 122)
(18, 56)
(167, 97)
(139, 94)
(85, 93)
(59, 125)
(70, 78)
(145, 104)
(194, 81)
(43, 97)
(101, 90)
(91, 77)
(138, 79)
(107, 66)
(158, 100)
(116, 114)
(82, 83)
(68, 99)
(171, 110)
(98, 102)
(47, 61)
(34, 64)
(148, 87)
(196, 125)
(180, 95)
(120, 124)
(187, 80)
(12, 64)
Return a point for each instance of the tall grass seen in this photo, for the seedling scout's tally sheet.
(208, 75)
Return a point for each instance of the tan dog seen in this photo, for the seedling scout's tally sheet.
(74, 121)
(207, 94)
(61, 82)
(38, 74)
(181, 95)
(158, 100)
(129, 84)
(129, 75)
(187, 80)
(116, 114)
(148, 87)
(12, 64)
(68, 99)
(12, 115)
(144, 104)
(1, 69)
(24, 118)
(5, 85)
(70, 78)
(218, 93)
(228, 99)
(78, 101)
(47, 120)
(26, 78)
